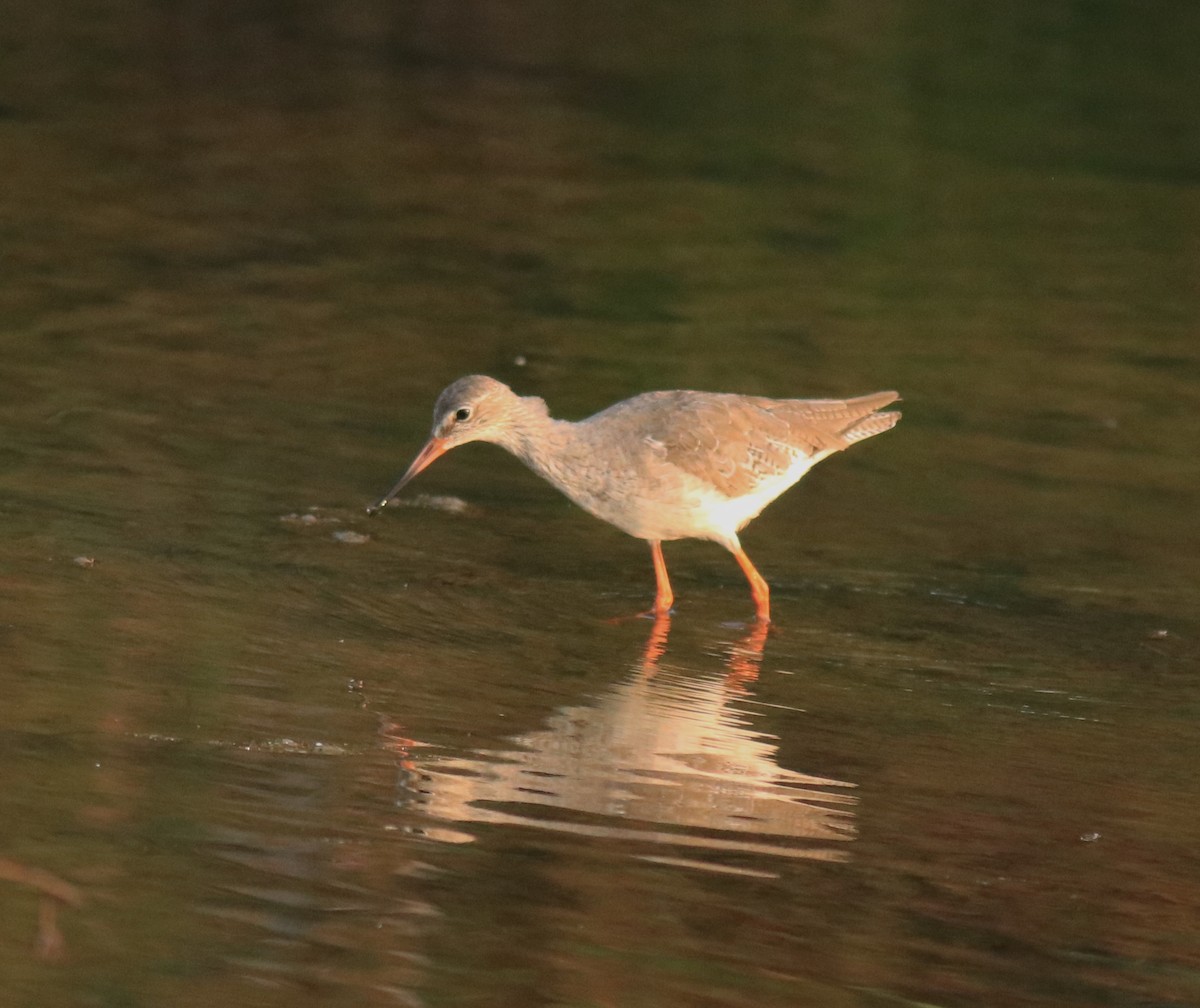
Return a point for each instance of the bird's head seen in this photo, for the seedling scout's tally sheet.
(474, 408)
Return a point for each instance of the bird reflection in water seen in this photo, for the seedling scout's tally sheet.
(664, 759)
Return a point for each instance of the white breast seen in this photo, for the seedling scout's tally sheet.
(730, 514)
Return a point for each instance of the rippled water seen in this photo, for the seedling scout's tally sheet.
(261, 749)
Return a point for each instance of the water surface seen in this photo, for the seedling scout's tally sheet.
(261, 749)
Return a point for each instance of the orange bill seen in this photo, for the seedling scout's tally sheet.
(434, 448)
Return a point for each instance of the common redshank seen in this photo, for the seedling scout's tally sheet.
(662, 465)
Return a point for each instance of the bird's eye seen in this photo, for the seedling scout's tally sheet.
(462, 413)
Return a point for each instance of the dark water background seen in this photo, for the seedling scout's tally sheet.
(250, 759)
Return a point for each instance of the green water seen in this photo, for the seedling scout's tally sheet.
(253, 760)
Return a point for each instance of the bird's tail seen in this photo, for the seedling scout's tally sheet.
(871, 425)
(872, 422)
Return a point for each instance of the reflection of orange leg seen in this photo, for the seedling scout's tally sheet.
(50, 941)
(54, 892)
(758, 587)
(663, 596)
(656, 645)
(746, 656)
(401, 746)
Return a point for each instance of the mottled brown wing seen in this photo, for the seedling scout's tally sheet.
(833, 424)
(734, 442)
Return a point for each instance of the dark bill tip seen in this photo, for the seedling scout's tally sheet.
(374, 509)
(433, 448)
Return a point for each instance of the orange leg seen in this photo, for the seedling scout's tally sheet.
(663, 596)
(758, 587)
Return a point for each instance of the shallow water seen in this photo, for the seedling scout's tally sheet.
(261, 749)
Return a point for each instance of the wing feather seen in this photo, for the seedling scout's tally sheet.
(734, 443)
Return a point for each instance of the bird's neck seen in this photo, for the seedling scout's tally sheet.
(538, 440)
